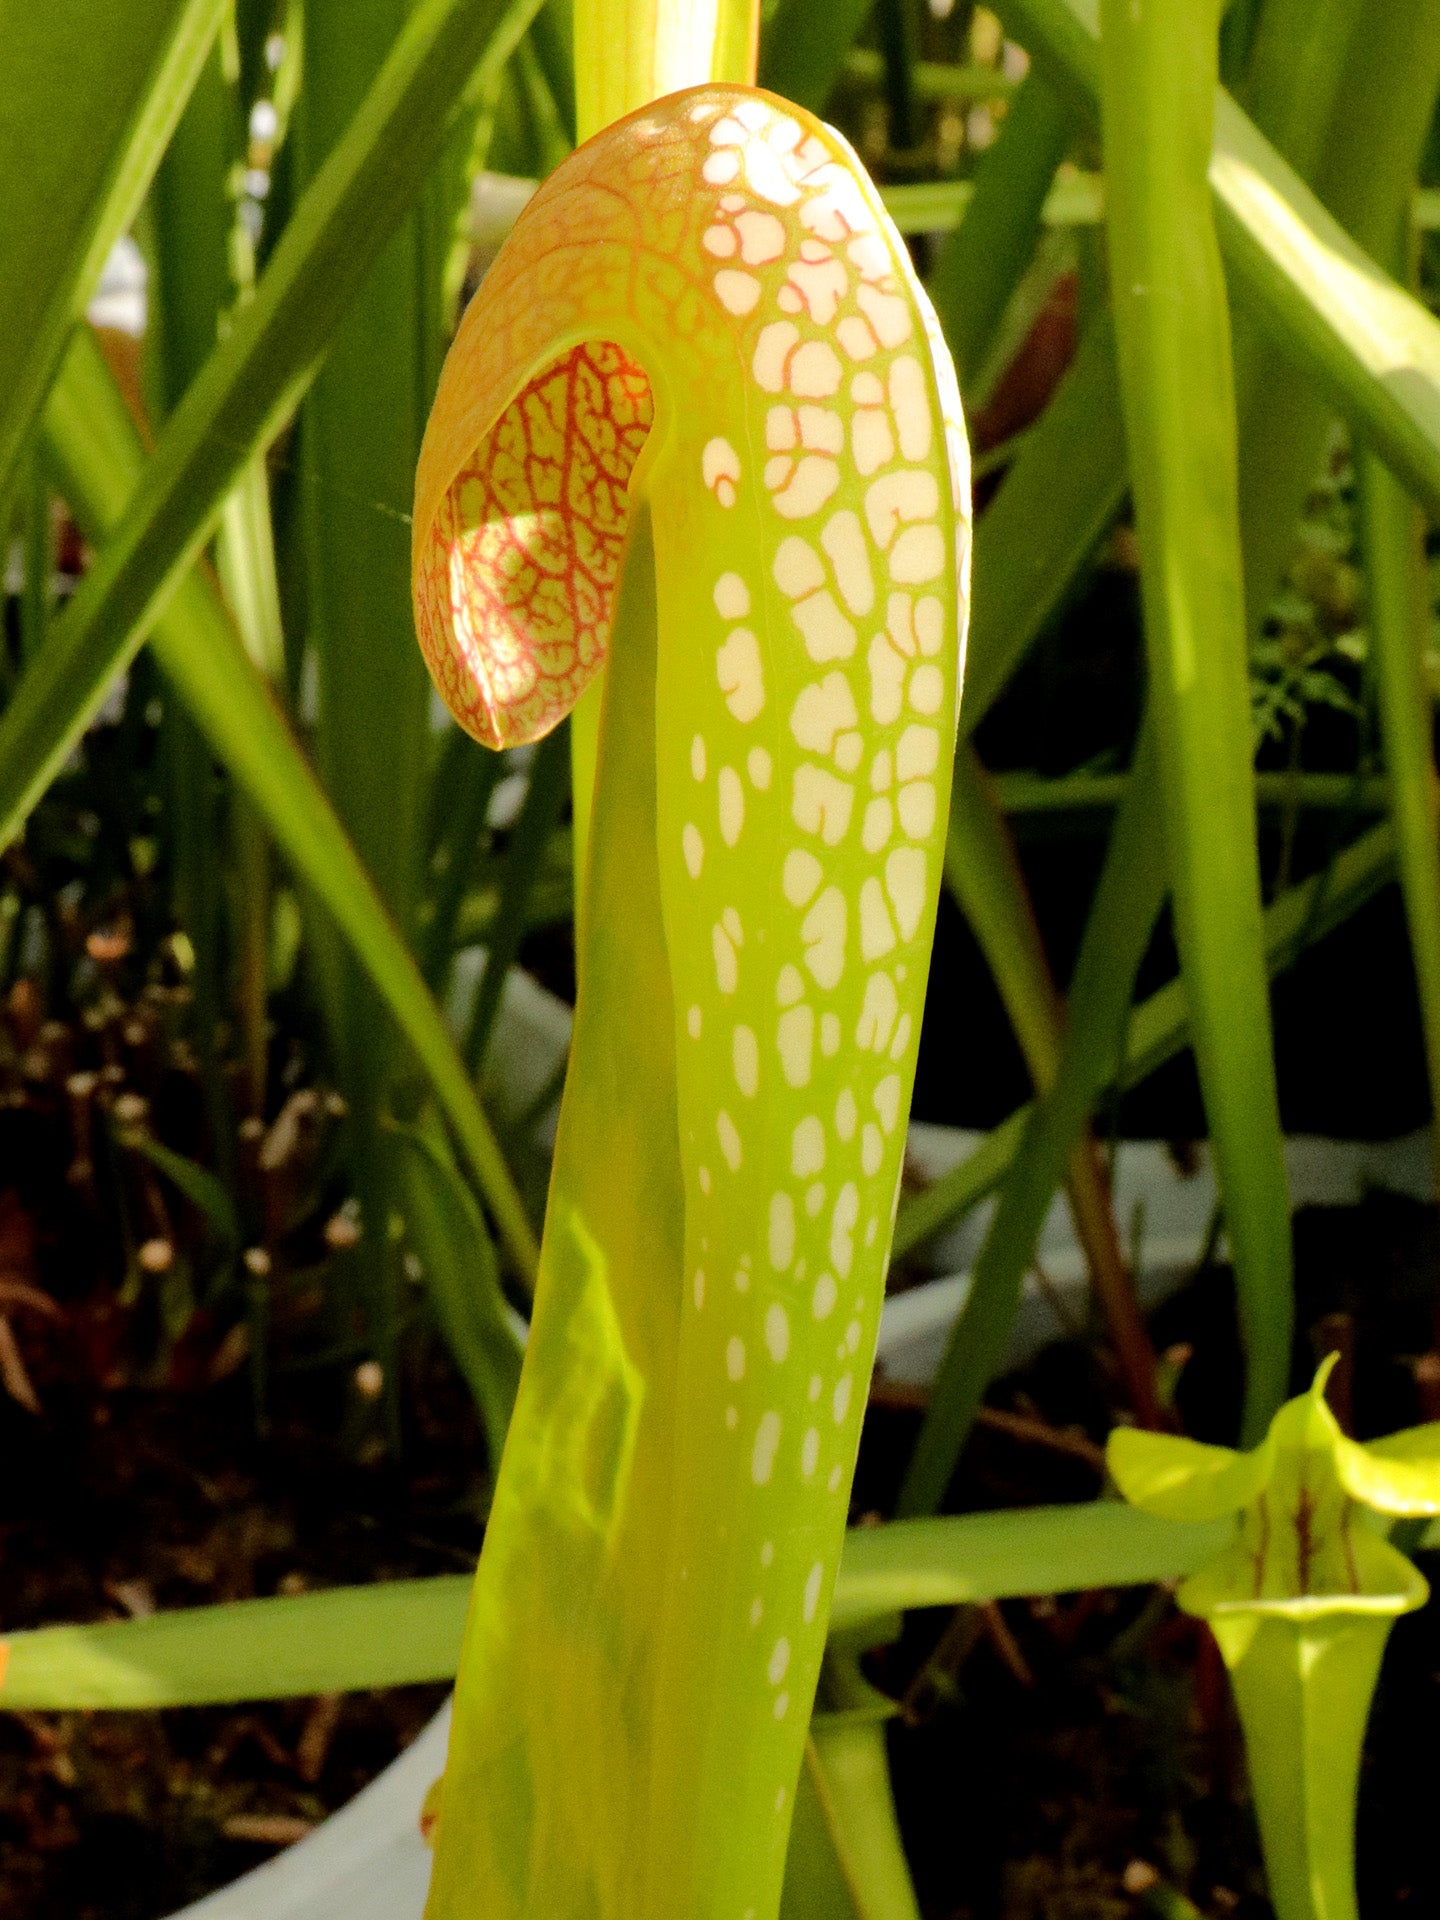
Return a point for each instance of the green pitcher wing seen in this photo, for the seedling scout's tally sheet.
(1180, 1479)
(704, 337)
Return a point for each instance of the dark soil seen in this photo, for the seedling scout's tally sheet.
(138, 1499)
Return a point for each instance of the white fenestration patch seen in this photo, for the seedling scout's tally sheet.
(745, 1058)
(807, 1148)
(821, 804)
(828, 635)
(782, 1232)
(800, 877)
(740, 674)
(823, 932)
(767, 1444)
(732, 597)
(732, 806)
(720, 469)
(843, 539)
(823, 709)
(693, 847)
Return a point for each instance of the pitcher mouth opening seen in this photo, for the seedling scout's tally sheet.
(523, 558)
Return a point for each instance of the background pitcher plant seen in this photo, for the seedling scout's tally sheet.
(698, 418)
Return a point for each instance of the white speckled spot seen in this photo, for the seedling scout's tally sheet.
(798, 569)
(781, 1236)
(813, 1581)
(740, 674)
(840, 1399)
(745, 1056)
(693, 848)
(930, 624)
(732, 597)
(822, 285)
(735, 1357)
(900, 623)
(767, 1442)
(828, 634)
(767, 1553)
(789, 986)
(927, 689)
(781, 430)
(732, 806)
(727, 964)
(887, 313)
(729, 1137)
(887, 681)
(902, 1038)
(835, 1478)
(757, 765)
(823, 709)
(822, 1300)
(757, 1611)
(772, 350)
(877, 933)
(814, 1199)
(905, 883)
(896, 499)
(917, 809)
(822, 431)
(732, 1418)
(871, 443)
(911, 405)
(779, 1662)
(810, 1451)
(720, 168)
(703, 1178)
(844, 542)
(846, 1115)
(872, 1149)
(782, 1705)
(821, 804)
(800, 876)
(877, 827)
(737, 292)
(842, 1225)
(886, 1099)
(807, 1148)
(814, 1388)
(853, 1331)
(719, 461)
(877, 1013)
(693, 1021)
(697, 757)
(880, 771)
(720, 242)
(796, 1041)
(856, 337)
(815, 372)
(814, 481)
(866, 390)
(730, 920)
(778, 471)
(762, 237)
(918, 555)
(823, 932)
(777, 1332)
(849, 751)
(767, 177)
(918, 754)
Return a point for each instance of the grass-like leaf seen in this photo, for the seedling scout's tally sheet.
(1173, 334)
(92, 93)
